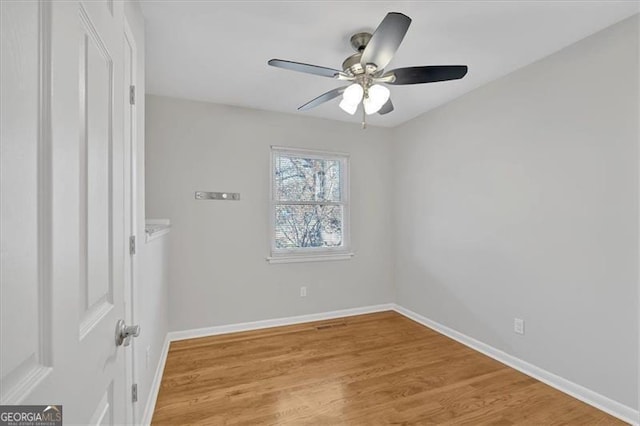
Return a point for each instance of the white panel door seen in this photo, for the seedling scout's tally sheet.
(62, 224)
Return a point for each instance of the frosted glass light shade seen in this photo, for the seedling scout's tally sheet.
(348, 107)
(370, 107)
(378, 96)
(353, 94)
(351, 98)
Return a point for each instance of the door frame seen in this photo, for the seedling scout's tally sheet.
(130, 228)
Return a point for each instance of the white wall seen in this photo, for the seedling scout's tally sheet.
(520, 199)
(218, 271)
(153, 309)
(151, 306)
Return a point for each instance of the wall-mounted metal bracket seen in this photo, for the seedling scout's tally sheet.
(224, 196)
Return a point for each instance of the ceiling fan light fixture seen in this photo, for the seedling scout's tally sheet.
(351, 98)
(370, 107)
(353, 94)
(378, 95)
(348, 107)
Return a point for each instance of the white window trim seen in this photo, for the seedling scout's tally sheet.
(312, 254)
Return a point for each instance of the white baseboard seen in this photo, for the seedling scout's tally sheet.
(155, 385)
(256, 325)
(588, 396)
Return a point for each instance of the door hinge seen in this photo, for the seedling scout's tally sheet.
(132, 95)
(132, 244)
(134, 392)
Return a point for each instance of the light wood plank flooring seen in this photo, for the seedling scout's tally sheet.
(365, 370)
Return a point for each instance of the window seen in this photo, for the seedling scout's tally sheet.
(309, 205)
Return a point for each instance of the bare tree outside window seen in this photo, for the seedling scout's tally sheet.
(309, 201)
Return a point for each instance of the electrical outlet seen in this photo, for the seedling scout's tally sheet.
(518, 325)
(303, 292)
(148, 357)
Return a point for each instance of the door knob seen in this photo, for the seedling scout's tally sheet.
(124, 333)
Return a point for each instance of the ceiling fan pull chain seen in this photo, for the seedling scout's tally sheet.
(364, 119)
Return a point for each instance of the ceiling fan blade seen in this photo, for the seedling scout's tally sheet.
(331, 94)
(386, 40)
(426, 74)
(386, 108)
(306, 68)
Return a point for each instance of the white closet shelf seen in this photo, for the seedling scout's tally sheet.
(156, 228)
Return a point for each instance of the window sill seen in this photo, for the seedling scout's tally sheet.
(310, 258)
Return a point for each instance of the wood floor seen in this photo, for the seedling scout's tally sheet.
(365, 370)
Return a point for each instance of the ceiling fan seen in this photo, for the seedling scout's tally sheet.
(365, 69)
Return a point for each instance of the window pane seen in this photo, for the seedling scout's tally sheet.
(308, 226)
(306, 179)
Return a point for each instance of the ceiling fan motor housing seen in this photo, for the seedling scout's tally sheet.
(360, 40)
(352, 65)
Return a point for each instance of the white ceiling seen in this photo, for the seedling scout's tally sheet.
(218, 51)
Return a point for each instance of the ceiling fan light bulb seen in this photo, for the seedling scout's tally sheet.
(353, 94)
(348, 107)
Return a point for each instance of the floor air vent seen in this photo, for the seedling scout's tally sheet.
(328, 326)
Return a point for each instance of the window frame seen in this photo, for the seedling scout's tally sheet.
(310, 254)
